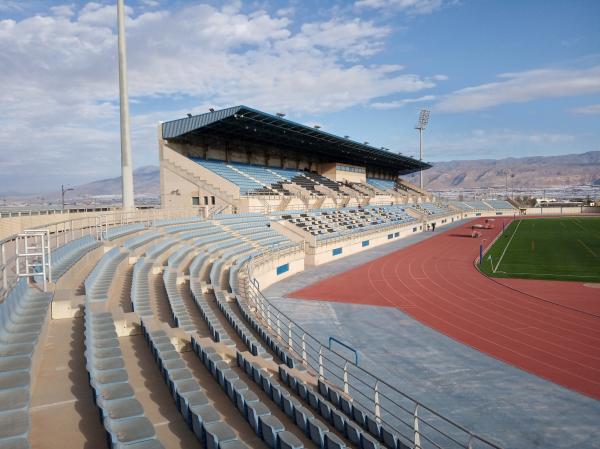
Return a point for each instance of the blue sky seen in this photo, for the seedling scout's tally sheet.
(502, 78)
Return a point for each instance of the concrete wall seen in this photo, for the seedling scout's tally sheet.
(560, 210)
(323, 253)
(265, 271)
(330, 171)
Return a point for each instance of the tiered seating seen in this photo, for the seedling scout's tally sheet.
(22, 316)
(383, 184)
(469, 206)
(141, 240)
(67, 255)
(500, 204)
(173, 221)
(326, 224)
(431, 209)
(98, 282)
(140, 289)
(197, 409)
(307, 184)
(285, 409)
(323, 181)
(263, 175)
(120, 231)
(122, 414)
(203, 225)
(266, 426)
(285, 174)
(179, 311)
(222, 169)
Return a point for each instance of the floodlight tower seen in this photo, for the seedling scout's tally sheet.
(126, 168)
(421, 125)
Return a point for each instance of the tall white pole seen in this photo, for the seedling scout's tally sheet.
(421, 156)
(126, 167)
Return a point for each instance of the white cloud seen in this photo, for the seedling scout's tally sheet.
(62, 10)
(591, 109)
(58, 110)
(400, 103)
(522, 87)
(495, 143)
(411, 7)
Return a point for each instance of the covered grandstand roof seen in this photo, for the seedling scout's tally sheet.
(246, 123)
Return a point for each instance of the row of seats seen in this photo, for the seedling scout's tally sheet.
(173, 221)
(202, 225)
(197, 410)
(141, 240)
(500, 204)
(98, 282)
(22, 316)
(65, 256)
(266, 426)
(431, 209)
(328, 224)
(121, 413)
(469, 206)
(382, 184)
(119, 231)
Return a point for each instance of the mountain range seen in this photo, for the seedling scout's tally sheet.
(527, 172)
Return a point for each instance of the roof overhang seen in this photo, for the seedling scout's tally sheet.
(250, 124)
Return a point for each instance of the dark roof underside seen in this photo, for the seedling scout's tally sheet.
(249, 124)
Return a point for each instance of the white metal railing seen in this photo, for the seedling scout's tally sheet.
(417, 425)
(62, 232)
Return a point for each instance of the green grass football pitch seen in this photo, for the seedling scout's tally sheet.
(566, 249)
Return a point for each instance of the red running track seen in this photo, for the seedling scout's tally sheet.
(435, 282)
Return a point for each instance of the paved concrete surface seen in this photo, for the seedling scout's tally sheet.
(496, 400)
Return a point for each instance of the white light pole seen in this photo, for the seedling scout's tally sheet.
(421, 125)
(126, 166)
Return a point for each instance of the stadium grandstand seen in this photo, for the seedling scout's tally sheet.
(153, 321)
(149, 328)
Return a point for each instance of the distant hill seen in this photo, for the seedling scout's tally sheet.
(146, 181)
(541, 171)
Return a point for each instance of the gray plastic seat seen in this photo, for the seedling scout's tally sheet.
(126, 431)
(317, 432)
(201, 416)
(217, 433)
(14, 399)
(109, 392)
(14, 423)
(287, 440)
(17, 363)
(122, 408)
(255, 411)
(332, 441)
(270, 427)
(301, 417)
(14, 379)
(20, 442)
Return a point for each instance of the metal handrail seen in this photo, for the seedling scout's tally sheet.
(368, 391)
(62, 232)
(350, 348)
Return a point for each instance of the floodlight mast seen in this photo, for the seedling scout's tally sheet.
(126, 165)
(421, 125)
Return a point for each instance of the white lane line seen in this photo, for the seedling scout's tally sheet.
(589, 250)
(507, 245)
